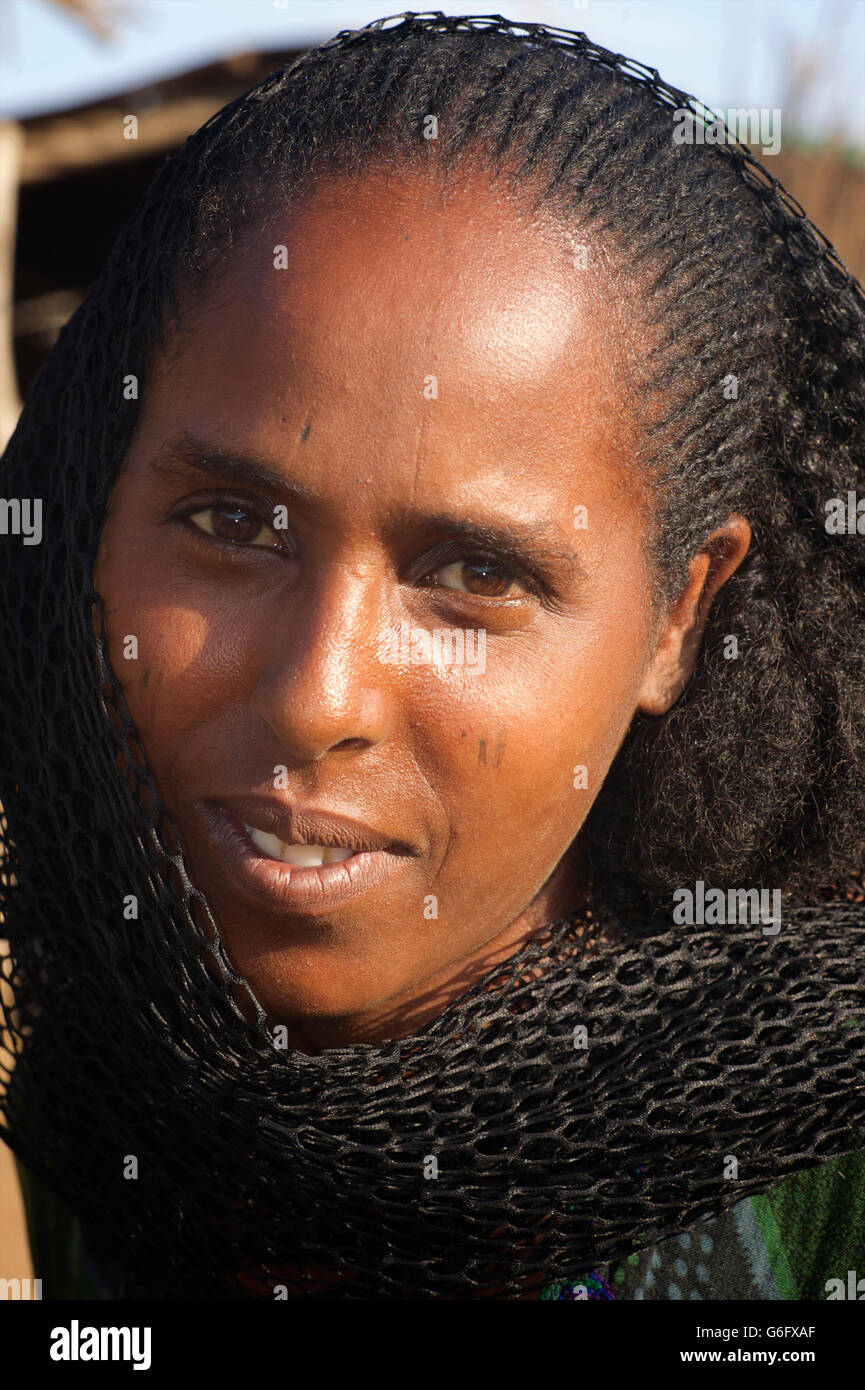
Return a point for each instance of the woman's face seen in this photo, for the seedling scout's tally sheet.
(407, 428)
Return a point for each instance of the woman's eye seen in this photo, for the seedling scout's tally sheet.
(226, 521)
(477, 577)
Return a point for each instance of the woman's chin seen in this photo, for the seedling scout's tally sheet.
(330, 995)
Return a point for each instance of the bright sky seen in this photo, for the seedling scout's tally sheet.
(726, 52)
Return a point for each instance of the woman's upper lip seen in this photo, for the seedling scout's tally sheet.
(294, 823)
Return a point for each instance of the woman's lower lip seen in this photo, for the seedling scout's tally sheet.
(269, 882)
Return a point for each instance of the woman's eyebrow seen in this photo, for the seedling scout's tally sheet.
(190, 459)
(519, 541)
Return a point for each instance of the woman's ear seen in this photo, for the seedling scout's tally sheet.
(682, 630)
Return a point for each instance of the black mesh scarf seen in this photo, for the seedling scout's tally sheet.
(259, 1166)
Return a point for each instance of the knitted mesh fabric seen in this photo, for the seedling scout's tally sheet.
(259, 1166)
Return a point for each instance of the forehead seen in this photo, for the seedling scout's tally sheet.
(403, 317)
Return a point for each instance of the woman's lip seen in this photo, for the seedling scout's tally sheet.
(268, 882)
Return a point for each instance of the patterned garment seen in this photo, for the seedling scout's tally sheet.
(803, 1239)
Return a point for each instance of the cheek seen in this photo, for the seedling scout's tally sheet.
(176, 660)
(518, 751)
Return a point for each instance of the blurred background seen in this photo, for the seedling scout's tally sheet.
(71, 70)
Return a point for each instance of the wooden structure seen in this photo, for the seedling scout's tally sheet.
(68, 182)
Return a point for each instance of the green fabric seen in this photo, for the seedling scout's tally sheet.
(814, 1226)
(787, 1243)
(775, 1247)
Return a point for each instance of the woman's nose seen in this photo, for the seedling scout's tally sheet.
(322, 685)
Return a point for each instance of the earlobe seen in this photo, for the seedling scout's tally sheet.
(681, 634)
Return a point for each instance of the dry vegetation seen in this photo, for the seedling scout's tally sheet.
(830, 185)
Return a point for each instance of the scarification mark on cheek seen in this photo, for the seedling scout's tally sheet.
(499, 748)
(495, 752)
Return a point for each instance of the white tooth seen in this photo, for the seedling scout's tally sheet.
(336, 855)
(303, 856)
(267, 843)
